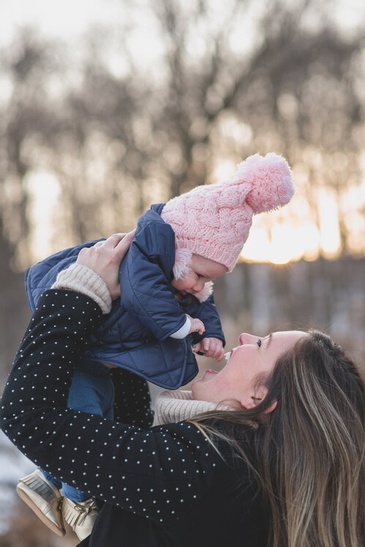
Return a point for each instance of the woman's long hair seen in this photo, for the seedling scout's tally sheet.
(309, 452)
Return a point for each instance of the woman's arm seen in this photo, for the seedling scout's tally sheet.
(124, 465)
(117, 463)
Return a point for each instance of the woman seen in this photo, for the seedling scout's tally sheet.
(268, 452)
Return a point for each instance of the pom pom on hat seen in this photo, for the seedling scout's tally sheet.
(270, 179)
(214, 220)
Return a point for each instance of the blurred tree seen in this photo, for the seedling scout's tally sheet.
(25, 118)
(26, 122)
(230, 80)
(221, 81)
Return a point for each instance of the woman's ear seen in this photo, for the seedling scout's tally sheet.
(271, 408)
(254, 400)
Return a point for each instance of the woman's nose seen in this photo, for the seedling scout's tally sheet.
(246, 338)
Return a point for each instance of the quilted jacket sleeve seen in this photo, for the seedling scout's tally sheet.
(208, 313)
(145, 277)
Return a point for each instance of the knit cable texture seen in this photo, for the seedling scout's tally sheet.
(82, 279)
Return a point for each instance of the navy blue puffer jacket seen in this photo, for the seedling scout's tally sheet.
(136, 334)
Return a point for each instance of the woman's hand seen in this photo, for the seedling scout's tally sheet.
(104, 259)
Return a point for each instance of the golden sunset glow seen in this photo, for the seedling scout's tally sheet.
(278, 237)
(290, 235)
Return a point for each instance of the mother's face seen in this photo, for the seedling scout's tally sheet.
(238, 383)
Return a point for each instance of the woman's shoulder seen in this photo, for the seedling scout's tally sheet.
(213, 443)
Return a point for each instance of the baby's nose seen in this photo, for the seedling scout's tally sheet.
(199, 285)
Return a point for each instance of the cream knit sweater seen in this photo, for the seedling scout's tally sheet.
(175, 406)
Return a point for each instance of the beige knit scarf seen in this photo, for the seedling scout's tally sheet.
(175, 406)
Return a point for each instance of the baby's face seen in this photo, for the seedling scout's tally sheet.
(200, 272)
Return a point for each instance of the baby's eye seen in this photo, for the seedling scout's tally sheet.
(259, 343)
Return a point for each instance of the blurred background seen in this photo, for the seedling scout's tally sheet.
(107, 106)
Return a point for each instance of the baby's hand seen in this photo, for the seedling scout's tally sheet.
(211, 347)
(196, 325)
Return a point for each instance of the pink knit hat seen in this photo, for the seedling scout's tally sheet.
(214, 220)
